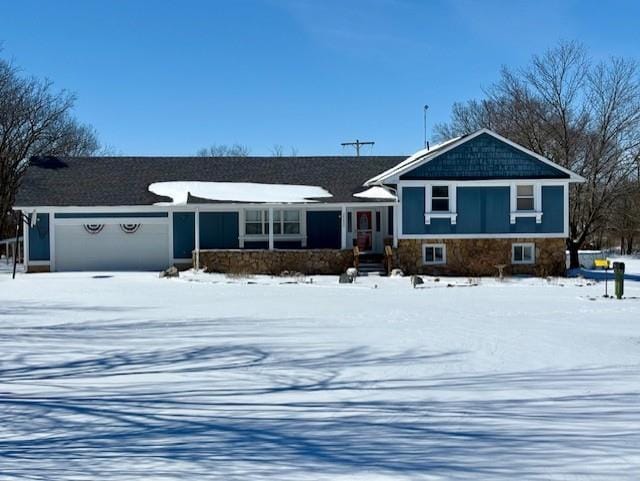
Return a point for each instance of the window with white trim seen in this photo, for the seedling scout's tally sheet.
(525, 198)
(433, 254)
(256, 222)
(285, 222)
(439, 198)
(523, 253)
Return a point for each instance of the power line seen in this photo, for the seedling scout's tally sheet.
(357, 144)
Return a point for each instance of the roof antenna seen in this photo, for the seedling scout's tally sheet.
(424, 111)
(357, 145)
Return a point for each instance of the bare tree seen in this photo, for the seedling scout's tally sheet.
(277, 150)
(34, 120)
(624, 218)
(224, 150)
(582, 115)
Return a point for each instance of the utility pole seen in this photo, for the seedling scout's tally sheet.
(357, 144)
(426, 107)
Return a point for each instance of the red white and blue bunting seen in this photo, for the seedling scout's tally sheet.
(93, 228)
(129, 228)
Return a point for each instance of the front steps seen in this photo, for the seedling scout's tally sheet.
(371, 265)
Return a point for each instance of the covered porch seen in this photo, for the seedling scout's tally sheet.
(271, 239)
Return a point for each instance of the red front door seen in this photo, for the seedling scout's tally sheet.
(364, 230)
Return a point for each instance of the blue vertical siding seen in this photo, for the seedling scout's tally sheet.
(440, 226)
(483, 210)
(184, 237)
(524, 225)
(413, 211)
(471, 205)
(257, 244)
(219, 230)
(552, 208)
(323, 229)
(287, 244)
(413, 215)
(497, 209)
(39, 239)
(552, 214)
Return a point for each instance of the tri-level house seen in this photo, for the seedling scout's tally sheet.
(468, 206)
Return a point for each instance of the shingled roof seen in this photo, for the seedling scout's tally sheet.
(113, 181)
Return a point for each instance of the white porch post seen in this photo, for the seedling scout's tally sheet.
(197, 239)
(25, 242)
(241, 228)
(270, 228)
(52, 241)
(170, 228)
(343, 228)
(397, 216)
(395, 224)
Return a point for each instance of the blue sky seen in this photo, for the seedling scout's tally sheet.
(168, 77)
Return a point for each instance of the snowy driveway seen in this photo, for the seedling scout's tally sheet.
(129, 376)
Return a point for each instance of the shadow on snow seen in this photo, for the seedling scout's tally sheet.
(248, 411)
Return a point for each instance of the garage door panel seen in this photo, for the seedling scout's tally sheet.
(111, 248)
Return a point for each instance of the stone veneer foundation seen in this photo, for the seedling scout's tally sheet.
(250, 261)
(479, 257)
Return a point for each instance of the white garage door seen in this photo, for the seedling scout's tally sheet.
(111, 248)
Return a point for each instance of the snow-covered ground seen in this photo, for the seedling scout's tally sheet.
(125, 376)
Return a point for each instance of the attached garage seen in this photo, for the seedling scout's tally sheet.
(111, 245)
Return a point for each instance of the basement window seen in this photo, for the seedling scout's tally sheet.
(434, 254)
(522, 253)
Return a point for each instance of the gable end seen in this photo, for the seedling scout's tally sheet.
(484, 157)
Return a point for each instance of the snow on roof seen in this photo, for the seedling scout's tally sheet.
(376, 192)
(179, 192)
(419, 155)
